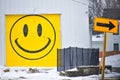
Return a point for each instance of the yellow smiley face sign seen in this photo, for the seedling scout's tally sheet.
(32, 40)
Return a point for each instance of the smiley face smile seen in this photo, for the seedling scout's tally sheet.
(29, 51)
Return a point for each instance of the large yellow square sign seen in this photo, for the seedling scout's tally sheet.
(32, 40)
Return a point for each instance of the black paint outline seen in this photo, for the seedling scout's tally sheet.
(30, 51)
(31, 54)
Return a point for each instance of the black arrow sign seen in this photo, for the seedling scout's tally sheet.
(110, 25)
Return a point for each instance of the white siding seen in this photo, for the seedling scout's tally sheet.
(74, 19)
(97, 44)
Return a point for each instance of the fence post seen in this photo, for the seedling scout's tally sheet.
(90, 53)
(79, 56)
(67, 58)
(60, 60)
(73, 57)
(95, 57)
(85, 57)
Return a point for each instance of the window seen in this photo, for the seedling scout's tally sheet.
(116, 46)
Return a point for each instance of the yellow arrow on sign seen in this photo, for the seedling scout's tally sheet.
(105, 25)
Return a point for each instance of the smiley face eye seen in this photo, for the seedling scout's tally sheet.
(25, 30)
(39, 29)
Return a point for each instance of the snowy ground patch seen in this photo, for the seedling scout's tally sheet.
(43, 73)
(113, 60)
(17, 73)
(23, 73)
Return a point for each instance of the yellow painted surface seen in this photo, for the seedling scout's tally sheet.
(28, 45)
(106, 21)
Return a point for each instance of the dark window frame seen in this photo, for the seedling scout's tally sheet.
(116, 46)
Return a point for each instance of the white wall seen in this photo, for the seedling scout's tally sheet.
(74, 19)
(113, 39)
(98, 44)
(97, 41)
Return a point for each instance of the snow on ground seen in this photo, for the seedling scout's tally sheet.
(23, 73)
(40, 73)
(15, 73)
(113, 60)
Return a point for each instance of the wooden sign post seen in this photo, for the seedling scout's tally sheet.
(105, 25)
